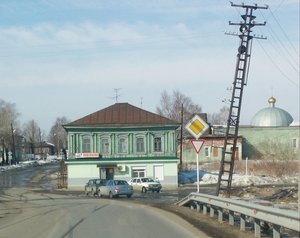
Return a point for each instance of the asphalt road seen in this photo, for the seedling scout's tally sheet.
(32, 176)
(29, 211)
(29, 214)
(32, 206)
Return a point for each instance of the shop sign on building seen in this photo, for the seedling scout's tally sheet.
(87, 155)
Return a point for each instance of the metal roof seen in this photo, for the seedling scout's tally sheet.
(122, 114)
(272, 116)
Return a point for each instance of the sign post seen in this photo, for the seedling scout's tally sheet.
(197, 127)
(197, 146)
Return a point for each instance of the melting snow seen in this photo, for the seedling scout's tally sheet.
(237, 180)
(24, 164)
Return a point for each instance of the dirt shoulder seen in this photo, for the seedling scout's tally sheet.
(205, 223)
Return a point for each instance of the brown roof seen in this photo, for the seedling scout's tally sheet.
(122, 114)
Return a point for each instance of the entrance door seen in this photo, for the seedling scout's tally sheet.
(110, 173)
(159, 172)
(106, 173)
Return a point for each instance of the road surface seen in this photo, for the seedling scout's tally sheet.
(27, 212)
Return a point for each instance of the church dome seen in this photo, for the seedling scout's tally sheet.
(272, 116)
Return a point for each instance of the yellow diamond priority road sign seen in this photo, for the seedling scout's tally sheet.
(197, 126)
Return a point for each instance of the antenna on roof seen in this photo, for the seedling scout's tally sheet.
(141, 102)
(117, 95)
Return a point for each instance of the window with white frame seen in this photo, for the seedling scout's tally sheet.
(122, 145)
(104, 146)
(140, 144)
(157, 144)
(86, 144)
(138, 172)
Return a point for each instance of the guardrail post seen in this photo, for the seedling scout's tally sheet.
(231, 218)
(211, 211)
(276, 231)
(220, 214)
(257, 227)
(258, 214)
(204, 209)
(242, 222)
(198, 207)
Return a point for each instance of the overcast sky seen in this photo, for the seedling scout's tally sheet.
(67, 58)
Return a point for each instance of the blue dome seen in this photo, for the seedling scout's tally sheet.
(272, 116)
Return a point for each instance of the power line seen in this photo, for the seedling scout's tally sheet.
(120, 44)
(290, 59)
(278, 68)
(284, 33)
(281, 54)
(279, 5)
(282, 50)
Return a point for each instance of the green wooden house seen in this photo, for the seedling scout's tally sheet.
(121, 141)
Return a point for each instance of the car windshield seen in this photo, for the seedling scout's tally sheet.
(101, 181)
(145, 180)
(120, 182)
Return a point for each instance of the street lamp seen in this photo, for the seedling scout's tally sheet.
(13, 141)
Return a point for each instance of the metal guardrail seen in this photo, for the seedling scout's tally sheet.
(278, 217)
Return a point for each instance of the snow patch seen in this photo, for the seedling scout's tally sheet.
(25, 164)
(237, 180)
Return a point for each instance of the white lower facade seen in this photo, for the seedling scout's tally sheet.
(79, 172)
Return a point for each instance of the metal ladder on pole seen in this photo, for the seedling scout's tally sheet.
(229, 151)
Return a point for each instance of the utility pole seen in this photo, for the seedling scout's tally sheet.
(240, 80)
(13, 143)
(181, 138)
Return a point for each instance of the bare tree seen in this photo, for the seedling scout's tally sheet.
(58, 135)
(171, 105)
(178, 108)
(9, 127)
(219, 118)
(32, 134)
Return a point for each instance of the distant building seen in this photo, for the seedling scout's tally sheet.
(121, 141)
(270, 127)
(271, 116)
(211, 150)
(36, 150)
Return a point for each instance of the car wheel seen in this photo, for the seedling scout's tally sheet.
(99, 194)
(110, 195)
(158, 190)
(144, 190)
(129, 195)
